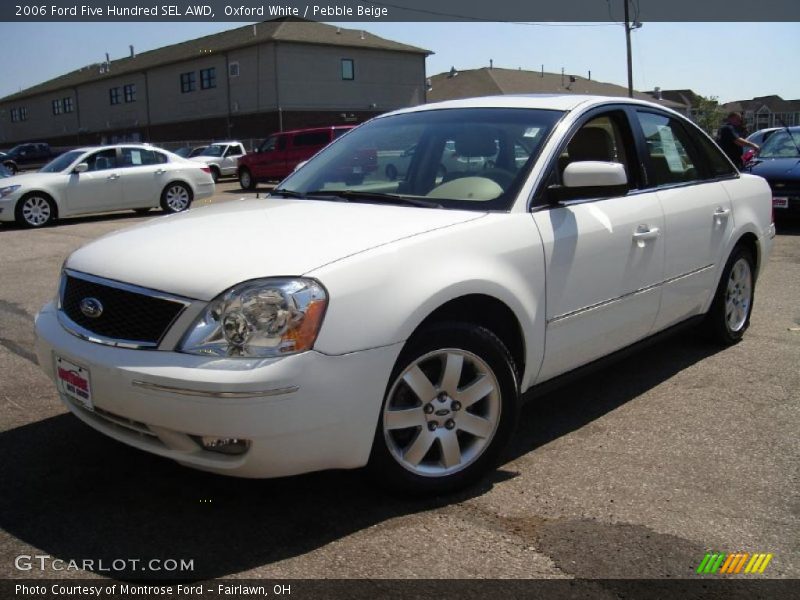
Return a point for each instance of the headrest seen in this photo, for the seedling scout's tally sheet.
(590, 143)
(475, 142)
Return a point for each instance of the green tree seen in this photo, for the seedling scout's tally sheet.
(707, 113)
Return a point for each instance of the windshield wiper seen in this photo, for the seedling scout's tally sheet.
(287, 193)
(348, 195)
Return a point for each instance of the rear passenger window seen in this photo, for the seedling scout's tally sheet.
(314, 138)
(667, 146)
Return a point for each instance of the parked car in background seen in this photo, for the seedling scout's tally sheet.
(190, 151)
(399, 324)
(758, 137)
(221, 157)
(28, 156)
(779, 163)
(101, 179)
(280, 153)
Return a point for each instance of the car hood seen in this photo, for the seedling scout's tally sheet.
(777, 168)
(28, 179)
(204, 251)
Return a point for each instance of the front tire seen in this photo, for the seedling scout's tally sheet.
(246, 180)
(35, 210)
(215, 174)
(729, 315)
(450, 409)
(176, 197)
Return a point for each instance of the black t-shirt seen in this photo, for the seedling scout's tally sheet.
(726, 138)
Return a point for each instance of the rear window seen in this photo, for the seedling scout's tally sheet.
(313, 138)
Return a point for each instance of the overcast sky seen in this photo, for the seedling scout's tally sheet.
(731, 61)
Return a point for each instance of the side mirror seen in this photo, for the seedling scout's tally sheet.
(590, 179)
(81, 168)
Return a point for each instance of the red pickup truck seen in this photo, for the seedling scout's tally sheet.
(280, 153)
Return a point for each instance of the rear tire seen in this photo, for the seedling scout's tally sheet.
(729, 315)
(35, 210)
(450, 409)
(176, 197)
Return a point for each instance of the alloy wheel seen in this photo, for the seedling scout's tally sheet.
(738, 295)
(36, 211)
(177, 198)
(442, 412)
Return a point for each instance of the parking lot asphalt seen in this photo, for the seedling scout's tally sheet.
(635, 471)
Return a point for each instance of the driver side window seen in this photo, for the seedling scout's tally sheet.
(105, 159)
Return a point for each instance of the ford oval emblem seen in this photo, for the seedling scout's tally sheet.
(91, 307)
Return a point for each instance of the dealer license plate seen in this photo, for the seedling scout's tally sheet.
(780, 202)
(74, 381)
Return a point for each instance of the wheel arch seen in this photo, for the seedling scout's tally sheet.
(42, 192)
(485, 311)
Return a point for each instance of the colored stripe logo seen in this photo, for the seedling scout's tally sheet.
(734, 564)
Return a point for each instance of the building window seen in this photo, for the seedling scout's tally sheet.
(348, 69)
(58, 106)
(14, 115)
(67, 104)
(233, 69)
(130, 92)
(208, 78)
(188, 83)
(113, 95)
(23, 113)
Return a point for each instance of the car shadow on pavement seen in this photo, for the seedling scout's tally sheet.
(118, 216)
(72, 493)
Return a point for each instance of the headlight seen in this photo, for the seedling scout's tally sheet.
(8, 190)
(263, 317)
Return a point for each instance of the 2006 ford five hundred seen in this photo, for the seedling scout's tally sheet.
(368, 318)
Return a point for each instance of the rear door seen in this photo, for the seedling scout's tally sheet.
(304, 145)
(685, 171)
(604, 255)
(144, 176)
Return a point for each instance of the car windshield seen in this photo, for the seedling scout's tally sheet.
(782, 145)
(183, 152)
(213, 151)
(4, 172)
(466, 158)
(62, 162)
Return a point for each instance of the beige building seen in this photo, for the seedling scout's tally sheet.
(242, 83)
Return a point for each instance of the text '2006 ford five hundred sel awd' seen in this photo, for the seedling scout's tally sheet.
(394, 319)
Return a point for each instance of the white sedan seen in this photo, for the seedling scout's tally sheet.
(399, 324)
(103, 179)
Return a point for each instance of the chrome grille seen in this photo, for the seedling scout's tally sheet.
(131, 316)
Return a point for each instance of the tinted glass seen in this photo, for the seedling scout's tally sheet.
(782, 145)
(314, 138)
(100, 161)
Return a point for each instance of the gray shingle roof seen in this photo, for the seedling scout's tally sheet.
(280, 30)
(489, 81)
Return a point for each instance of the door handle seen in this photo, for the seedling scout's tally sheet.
(721, 213)
(113, 176)
(159, 171)
(644, 233)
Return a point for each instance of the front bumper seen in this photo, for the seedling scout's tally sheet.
(7, 206)
(301, 413)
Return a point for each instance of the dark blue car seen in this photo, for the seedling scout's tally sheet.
(779, 163)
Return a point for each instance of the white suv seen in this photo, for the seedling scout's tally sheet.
(399, 322)
(221, 157)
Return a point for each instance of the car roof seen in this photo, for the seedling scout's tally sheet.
(313, 129)
(562, 102)
(223, 143)
(110, 146)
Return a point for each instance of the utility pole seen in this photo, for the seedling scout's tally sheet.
(628, 44)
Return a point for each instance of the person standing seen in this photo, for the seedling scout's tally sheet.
(731, 138)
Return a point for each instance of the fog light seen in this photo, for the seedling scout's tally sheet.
(230, 446)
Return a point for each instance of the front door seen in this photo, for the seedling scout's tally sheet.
(604, 257)
(99, 188)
